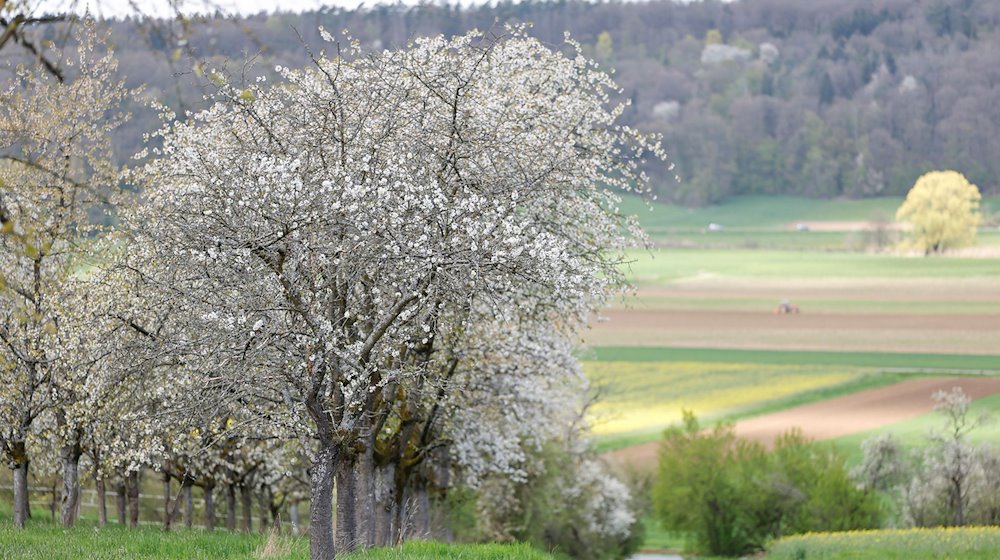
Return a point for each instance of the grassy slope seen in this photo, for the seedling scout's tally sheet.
(912, 433)
(974, 543)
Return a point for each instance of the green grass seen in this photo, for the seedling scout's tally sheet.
(895, 360)
(662, 266)
(912, 433)
(433, 550)
(43, 540)
(767, 222)
(658, 538)
(760, 212)
(972, 543)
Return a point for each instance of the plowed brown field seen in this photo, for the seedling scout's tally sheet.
(945, 333)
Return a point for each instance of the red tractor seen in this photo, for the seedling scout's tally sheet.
(786, 308)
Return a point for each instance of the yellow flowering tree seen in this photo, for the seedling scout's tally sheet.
(943, 210)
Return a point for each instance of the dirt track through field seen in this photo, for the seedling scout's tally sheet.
(836, 417)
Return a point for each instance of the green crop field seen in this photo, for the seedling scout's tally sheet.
(662, 266)
(970, 543)
(759, 212)
(894, 360)
(769, 222)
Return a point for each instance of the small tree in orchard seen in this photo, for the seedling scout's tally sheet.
(313, 233)
(943, 210)
(55, 166)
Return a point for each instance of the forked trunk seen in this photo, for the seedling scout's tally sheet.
(71, 484)
(321, 544)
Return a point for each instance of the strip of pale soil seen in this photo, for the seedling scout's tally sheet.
(837, 417)
(685, 319)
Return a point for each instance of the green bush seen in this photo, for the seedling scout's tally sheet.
(733, 495)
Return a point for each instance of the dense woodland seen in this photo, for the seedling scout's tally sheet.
(824, 98)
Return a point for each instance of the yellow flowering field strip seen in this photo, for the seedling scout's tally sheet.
(972, 543)
(639, 399)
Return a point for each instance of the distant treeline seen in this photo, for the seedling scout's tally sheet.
(822, 98)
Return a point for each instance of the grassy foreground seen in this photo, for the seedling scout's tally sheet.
(116, 543)
(972, 543)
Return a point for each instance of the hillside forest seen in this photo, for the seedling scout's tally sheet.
(826, 98)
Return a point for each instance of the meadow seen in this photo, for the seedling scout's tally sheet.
(973, 543)
(772, 222)
(113, 542)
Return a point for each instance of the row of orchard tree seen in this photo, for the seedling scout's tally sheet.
(359, 286)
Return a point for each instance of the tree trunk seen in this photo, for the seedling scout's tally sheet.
(167, 517)
(27, 476)
(19, 464)
(188, 505)
(321, 542)
(275, 517)
(365, 475)
(347, 502)
(293, 513)
(120, 500)
(231, 507)
(265, 510)
(71, 484)
(132, 483)
(385, 506)
(102, 502)
(209, 493)
(246, 500)
(423, 506)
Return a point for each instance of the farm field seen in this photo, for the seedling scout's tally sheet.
(772, 222)
(975, 543)
(852, 416)
(700, 332)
